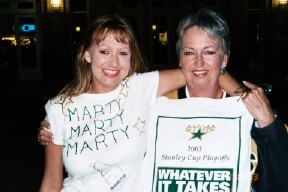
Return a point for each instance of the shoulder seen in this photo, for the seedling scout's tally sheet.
(58, 103)
(146, 80)
(58, 100)
(146, 75)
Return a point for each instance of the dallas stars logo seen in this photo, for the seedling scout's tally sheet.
(197, 131)
(198, 135)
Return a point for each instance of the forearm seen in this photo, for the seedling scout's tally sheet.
(53, 171)
(170, 80)
(229, 84)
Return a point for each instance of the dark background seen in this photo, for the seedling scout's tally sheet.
(252, 58)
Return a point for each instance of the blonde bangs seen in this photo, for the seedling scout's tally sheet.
(120, 35)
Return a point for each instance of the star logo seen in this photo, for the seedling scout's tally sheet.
(197, 134)
(140, 126)
(197, 131)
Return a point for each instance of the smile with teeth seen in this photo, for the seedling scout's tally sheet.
(110, 72)
(200, 72)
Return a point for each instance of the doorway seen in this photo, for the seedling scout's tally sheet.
(21, 34)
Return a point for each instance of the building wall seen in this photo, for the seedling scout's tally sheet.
(58, 39)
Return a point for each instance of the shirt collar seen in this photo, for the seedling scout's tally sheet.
(188, 95)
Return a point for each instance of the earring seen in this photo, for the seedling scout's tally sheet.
(223, 70)
(180, 65)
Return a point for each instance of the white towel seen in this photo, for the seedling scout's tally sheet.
(198, 145)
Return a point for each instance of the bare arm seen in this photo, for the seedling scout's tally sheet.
(229, 84)
(53, 171)
(170, 80)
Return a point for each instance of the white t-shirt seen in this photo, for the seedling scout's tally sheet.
(198, 145)
(104, 135)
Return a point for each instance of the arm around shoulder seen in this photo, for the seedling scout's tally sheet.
(170, 80)
(229, 84)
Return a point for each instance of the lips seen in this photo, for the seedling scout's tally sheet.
(110, 72)
(200, 72)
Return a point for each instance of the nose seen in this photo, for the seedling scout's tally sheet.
(113, 61)
(199, 60)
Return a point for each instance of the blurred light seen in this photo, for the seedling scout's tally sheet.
(77, 29)
(154, 27)
(27, 27)
(12, 39)
(56, 3)
(283, 2)
(163, 37)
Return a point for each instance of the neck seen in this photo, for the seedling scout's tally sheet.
(94, 89)
(202, 91)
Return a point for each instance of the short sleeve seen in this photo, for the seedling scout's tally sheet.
(145, 86)
(55, 117)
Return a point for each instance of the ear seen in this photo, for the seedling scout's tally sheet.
(225, 60)
(87, 57)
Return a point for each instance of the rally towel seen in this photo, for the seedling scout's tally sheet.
(198, 145)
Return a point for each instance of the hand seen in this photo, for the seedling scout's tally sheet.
(44, 136)
(258, 104)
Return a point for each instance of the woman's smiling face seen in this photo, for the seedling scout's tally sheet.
(110, 63)
(201, 58)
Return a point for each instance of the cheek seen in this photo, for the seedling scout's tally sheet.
(214, 63)
(187, 72)
(95, 68)
(187, 66)
(98, 60)
(185, 63)
(217, 64)
(125, 63)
